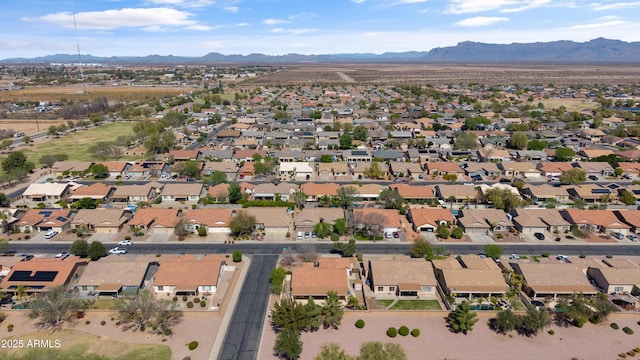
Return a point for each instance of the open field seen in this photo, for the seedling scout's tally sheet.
(92, 92)
(76, 344)
(439, 74)
(28, 126)
(76, 145)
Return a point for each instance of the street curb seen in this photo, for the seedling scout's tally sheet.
(222, 332)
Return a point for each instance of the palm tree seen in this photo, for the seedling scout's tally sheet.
(324, 201)
(451, 199)
(5, 218)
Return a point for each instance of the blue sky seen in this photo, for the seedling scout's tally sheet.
(30, 28)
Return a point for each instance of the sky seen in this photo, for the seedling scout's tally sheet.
(31, 28)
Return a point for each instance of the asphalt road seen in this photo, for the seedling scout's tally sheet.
(242, 339)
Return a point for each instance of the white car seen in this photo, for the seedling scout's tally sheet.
(50, 234)
(118, 251)
(514, 256)
(63, 255)
(125, 243)
(632, 237)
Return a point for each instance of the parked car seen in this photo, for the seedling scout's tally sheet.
(619, 236)
(314, 235)
(627, 176)
(306, 234)
(50, 234)
(63, 255)
(514, 256)
(118, 251)
(539, 236)
(396, 234)
(563, 258)
(388, 235)
(632, 237)
(593, 177)
(300, 235)
(125, 243)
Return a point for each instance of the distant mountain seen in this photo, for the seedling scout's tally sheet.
(597, 50)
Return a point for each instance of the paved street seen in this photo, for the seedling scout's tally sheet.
(242, 339)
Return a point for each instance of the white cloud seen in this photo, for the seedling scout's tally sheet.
(401, 2)
(506, 6)
(232, 9)
(273, 22)
(183, 3)
(527, 6)
(600, 23)
(358, 1)
(294, 31)
(122, 18)
(242, 24)
(481, 21)
(615, 6)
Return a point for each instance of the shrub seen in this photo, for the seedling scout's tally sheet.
(360, 323)
(551, 332)
(582, 256)
(175, 299)
(202, 231)
(627, 330)
(193, 206)
(392, 332)
(614, 326)
(196, 300)
(403, 331)
(335, 237)
(415, 332)
(189, 304)
(545, 255)
(10, 327)
(184, 298)
(203, 303)
(2, 316)
(623, 355)
(609, 256)
(80, 314)
(88, 322)
(193, 345)
(237, 255)
(499, 236)
(103, 323)
(27, 237)
(127, 237)
(158, 255)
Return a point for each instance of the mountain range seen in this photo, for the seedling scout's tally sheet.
(594, 51)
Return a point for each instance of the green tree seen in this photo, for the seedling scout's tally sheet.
(326, 158)
(505, 321)
(242, 223)
(564, 154)
(300, 199)
(347, 195)
(518, 141)
(322, 229)
(288, 344)
(462, 319)
(537, 145)
(217, 177)
(450, 177)
(373, 171)
(53, 307)
(617, 172)
(96, 250)
(627, 197)
(99, 171)
(85, 203)
(276, 280)
(534, 321)
(332, 311)
(457, 233)
(573, 176)
(375, 350)
(340, 226)
(15, 161)
(146, 309)
(345, 141)
(466, 141)
(192, 168)
(79, 248)
(421, 248)
(442, 232)
(289, 314)
(4, 244)
(313, 314)
(503, 199)
(360, 133)
(235, 193)
(332, 351)
(390, 199)
(493, 251)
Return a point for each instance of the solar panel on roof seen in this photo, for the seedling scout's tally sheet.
(613, 186)
(45, 276)
(61, 218)
(45, 213)
(359, 152)
(600, 191)
(636, 192)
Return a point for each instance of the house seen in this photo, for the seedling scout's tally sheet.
(113, 276)
(189, 275)
(247, 171)
(593, 135)
(367, 192)
(267, 191)
(483, 189)
(486, 169)
(183, 192)
(136, 193)
(220, 192)
(554, 169)
(402, 277)
(315, 280)
(214, 220)
(547, 194)
(484, 279)
(101, 220)
(407, 169)
(590, 154)
(428, 219)
(592, 193)
(95, 191)
(359, 170)
(273, 220)
(184, 154)
(530, 221)
(603, 221)
(378, 221)
(46, 192)
(630, 168)
(7, 263)
(456, 193)
(489, 154)
(414, 193)
(44, 220)
(12, 217)
(357, 156)
(484, 220)
(306, 219)
(524, 169)
(295, 171)
(248, 155)
(230, 169)
(550, 280)
(115, 168)
(595, 168)
(617, 279)
(315, 191)
(631, 218)
(70, 168)
(149, 167)
(39, 275)
(156, 220)
(333, 170)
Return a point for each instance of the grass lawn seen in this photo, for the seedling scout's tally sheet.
(79, 345)
(518, 305)
(104, 304)
(76, 145)
(384, 303)
(417, 305)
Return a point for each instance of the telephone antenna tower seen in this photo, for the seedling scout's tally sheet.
(75, 28)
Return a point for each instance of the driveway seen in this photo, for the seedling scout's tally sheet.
(105, 238)
(481, 238)
(159, 238)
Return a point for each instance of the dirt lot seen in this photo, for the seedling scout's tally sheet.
(28, 126)
(437, 342)
(91, 92)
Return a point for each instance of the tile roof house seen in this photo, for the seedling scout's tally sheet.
(544, 280)
(188, 275)
(401, 276)
(101, 220)
(414, 192)
(443, 167)
(358, 170)
(617, 280)
(545, 193)
(630, 168)
(295, 171)
(136, 193)
(595, 168)
(461, 193)
(183, 192)
(482, 280)
(595, 220)
(214, 220)
(552, 168)
(44, 220)
(529, 221)
(407, 169)
(73, 168)
(95, 191)
(428, 219)
(333, 170)
(115, 168)
(112, 276)
(267, 191)
(230, 169)
(184, 154)
(271, 219)
(41, 274)
(307, 218)
(630, 217)
(46, 192)
(484, 220)
(315, 191)
(592, 193)
(525, 169)
(378, 221)
(315, 280)
(156, 220)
